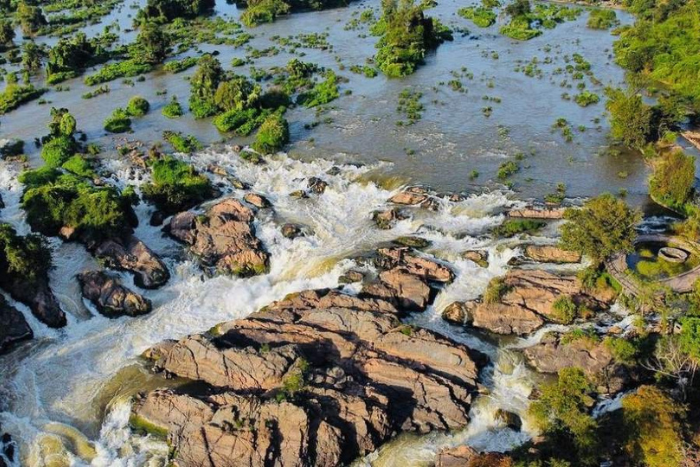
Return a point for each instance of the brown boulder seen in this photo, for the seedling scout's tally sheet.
(37, 295)
(257, 200)
(132, 255)
(386, 219)
(423, 267)
(551, 254)
(538, 212)
(459, 313)
(458, 456)
(318, 378)
(416, 196)
(110, 297)
(316, 185)
(479, 257)
(223, 238)
(13, 326)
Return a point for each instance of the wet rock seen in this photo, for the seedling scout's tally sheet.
(316, 185)
(478, 256)
(458, 313)
(538, 212)
(528, 301)
(551, 254)
(291, 231)
(411, 196)
(8, 448)
(13, 326)
(217, 170)
(299, 194)
(318, 378)
(428, 269)
(509, 419)
(132, 255)
(459, 456)
(333, 171)
(400, 287)
(110, 297)
(412, 242)
(385, 220)
(252, 157)
(2, 203)
(11, 147)
(223, 238)
(554, 353)
(157, 218)
(257, 200)
(37, 295)
(351, 276)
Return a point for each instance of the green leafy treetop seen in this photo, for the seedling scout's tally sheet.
(27, 257)
(603, 226)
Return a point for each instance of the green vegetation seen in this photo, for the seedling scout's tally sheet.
(406, 35)
(507, 169)
(118, 122)
(603, 18)
(30, 18)
(410, 105)
(562, 413)
(630, 117)
(137, 106)
(58, 150)
(603, 226)
(481, 16)
(623, 350)
(672, 181)
(164, 11)
(178, 66)
(71, 55)
(273, 134)
(203, 86)
(176, 186)
(26, 257)
(182, 143)
(662, 47)
(172, 109)
(495, 290)
(564, 309)
(653, 428)
(263, 11)
(586, 98)
(322, 93)
(7, 35)
(240, 122)
(513, 227)
(526, 22)
(112, 71)
(15, 95)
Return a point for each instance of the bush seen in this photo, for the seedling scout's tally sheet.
(623, 350)
(507, 169)
(513, 227)
(630, 117)
(273, 135)
(178, 66)
(15, 95)
(26, 257)
(118, 122)
(586, 98)
(263, 11)
(564, 309)
(137, 106)
(173, 109)
(495, 290)
(182, 143)
(652, 428)
(53, 201)
(673, 180)
(79, 166)
(322, 93)
(58, 150)
(482, 17)
(176, 186)
(603, 226)
(125, 69)
(240, 122)
(603, 18)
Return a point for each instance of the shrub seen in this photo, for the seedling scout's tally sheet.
(263, 11)
(237, 93)
(172, 109)
(112, 71)
(507, 169)
(203, 86)
(586, 98)
(603, 226)
(323, 93)
(182, 143)
(178, 66)
(26, 257)
(137, 106)
(79, 166)
(564, 309)
(176, 186)
(623, 350)
(481, 16)
(603, 18)
(513, 227)
(15, 95)
(273, 135)
(118, 122)
(630, 117)
(240, 122)
(58, 150)
(673, 179)
(652, 427)
(495, 290)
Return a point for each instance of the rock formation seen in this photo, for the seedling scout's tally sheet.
(13, 326)
(110, 297)
(132, 255)
(223, 238)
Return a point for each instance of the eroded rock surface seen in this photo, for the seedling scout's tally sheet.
(528, 302)
(223, 238)
(551, 254)
(13, 326)
(110, 297)
(37, 295)
(318, 378)
(132, 255)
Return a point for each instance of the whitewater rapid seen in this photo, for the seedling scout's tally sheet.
(66, 395)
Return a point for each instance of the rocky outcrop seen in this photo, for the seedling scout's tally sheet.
(259, 201)
(555, 352)
(37, 295)
(317, 186)
(132, 255)
(551, 254)
(13, 326)
(465, 456)
(291, 231)
(386, 219)
(538, 212)
(223, 238)
(479, 257)
(110, 297)
(527, 302)
(8, 449)
(416, 196)
(420, 266)
(318, 378)
(458, 313)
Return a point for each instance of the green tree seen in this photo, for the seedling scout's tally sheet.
(673, 179)
(603, 226)
(273, 134)
(7, 34)
(203, 86)
(652, 428)
(30, 18)
(562, 410)
(32, 55)
(630, 117)
(237, 93)
(152, 44)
